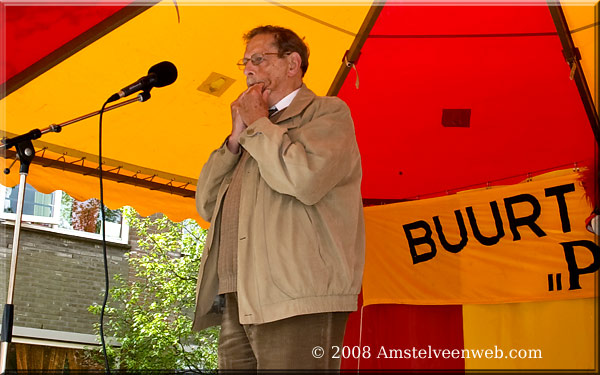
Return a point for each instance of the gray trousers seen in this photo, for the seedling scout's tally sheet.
(299, 342)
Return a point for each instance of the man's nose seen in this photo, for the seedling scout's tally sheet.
(249, 69)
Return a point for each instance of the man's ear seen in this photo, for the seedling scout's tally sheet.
(294, 64)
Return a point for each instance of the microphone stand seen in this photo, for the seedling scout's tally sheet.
(25, 154)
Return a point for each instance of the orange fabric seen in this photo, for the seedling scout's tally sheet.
(549, 335)
(116, 195)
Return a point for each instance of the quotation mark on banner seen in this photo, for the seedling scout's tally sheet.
(551, 282)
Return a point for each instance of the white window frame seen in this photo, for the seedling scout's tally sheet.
(54, 219)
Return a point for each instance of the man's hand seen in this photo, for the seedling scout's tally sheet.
(237, 126)
(253, 103)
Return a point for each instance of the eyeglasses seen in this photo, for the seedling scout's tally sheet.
(256, 59)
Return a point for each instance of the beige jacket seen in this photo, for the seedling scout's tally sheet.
(301, 236)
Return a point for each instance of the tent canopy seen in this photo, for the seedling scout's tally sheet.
(167, 139)
(450, 97)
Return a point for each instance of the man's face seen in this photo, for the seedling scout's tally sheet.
(272, 71)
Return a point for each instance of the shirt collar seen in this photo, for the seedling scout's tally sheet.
(285, 102)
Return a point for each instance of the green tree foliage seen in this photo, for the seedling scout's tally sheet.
(150, 310)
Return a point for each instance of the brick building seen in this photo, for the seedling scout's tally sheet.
(60, 274)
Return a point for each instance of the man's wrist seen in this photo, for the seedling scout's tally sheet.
(232, 145)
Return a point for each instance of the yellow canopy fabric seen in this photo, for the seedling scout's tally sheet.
(170, 136)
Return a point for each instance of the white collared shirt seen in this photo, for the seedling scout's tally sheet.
(285, 102)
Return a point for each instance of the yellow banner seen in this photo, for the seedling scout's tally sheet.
(518, 243)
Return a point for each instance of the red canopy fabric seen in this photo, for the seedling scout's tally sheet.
(33, 32)
(504, 64)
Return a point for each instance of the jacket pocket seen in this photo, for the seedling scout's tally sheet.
(293, 250)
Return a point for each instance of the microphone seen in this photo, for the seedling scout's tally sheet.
(161, 74)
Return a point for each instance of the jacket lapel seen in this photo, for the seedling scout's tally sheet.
(304, 97)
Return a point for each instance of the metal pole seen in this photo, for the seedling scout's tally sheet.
(138, 98)
(7, 321)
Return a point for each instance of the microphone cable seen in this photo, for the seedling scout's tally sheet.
(104, 252)
(142, 97)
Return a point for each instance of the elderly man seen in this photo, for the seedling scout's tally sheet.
(285, 250)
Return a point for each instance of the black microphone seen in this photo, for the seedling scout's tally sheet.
(161, 74)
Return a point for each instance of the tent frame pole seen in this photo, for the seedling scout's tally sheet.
(572, 55)
(352, 55)
(26, 154)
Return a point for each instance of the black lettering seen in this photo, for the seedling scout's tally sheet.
(574, 270)
(414, 242)
(461, 227)
(559, 192)
(487, 241)
(515, 222)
